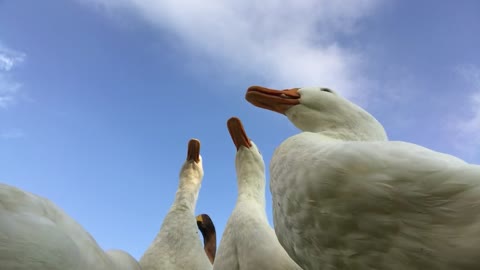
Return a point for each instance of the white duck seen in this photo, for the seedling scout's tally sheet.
(344, 197)
(35, 234)
(248, 241)
(178, 245)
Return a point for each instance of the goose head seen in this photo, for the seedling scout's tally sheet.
(319, 110)
(206, 227)
(249, 162)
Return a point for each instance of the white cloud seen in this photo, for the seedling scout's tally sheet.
(12, 134)
(471, 74)
(472, 125)
(286, 43)
(468, 127)
(9, 88)
(8, 59)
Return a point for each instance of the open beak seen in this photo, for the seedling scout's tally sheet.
(275, 100)
(193, 152)
(238, 134)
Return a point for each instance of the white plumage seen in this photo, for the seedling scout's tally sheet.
(35, 234)
(345, 197)
(178, 245)
(248, 241)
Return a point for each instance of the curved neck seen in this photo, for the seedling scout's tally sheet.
(353, 125)
(256, 194)
(251, 185)
(210, 244)
(340, 134)
(187, 194)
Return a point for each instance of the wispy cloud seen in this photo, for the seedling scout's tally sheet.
(12, 134)
(468, 127)
(9, 88)
(285, 43)
(9, 58)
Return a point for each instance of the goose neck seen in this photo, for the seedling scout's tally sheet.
(186, 197)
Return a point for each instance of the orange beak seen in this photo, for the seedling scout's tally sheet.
(275, 100)
(238, 134)
(193, 152)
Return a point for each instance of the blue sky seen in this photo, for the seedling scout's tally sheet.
(99, 98)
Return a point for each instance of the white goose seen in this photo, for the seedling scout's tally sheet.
(35, 234)
(345, 197)
(248, 241)
(178, 245)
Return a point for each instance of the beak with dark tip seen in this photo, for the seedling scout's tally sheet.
(275, 100)
(193, 152)
(237, 132)
(206, 227)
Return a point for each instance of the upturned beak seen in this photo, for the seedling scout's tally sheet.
(275, 100)
(193, 152)
(237, 132)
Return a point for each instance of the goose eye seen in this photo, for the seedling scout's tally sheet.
(326, 90)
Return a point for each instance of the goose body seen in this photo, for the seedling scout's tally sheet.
(178, 245)
(35, 234)
(344, 197)
(248, 241)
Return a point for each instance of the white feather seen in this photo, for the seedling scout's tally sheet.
(35, 234)
(248, 241)
(344, 197)
(178, 245)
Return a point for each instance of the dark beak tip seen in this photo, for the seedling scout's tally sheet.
(193, 152)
